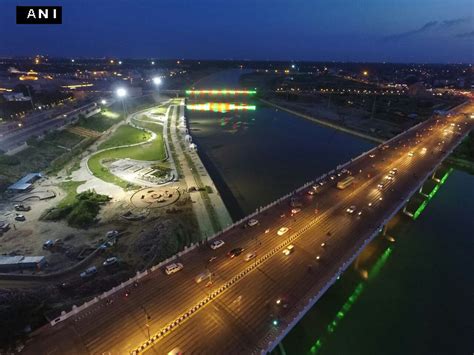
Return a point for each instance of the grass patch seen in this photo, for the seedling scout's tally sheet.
(101, 121)
(152, 151)
(70, 187)
(125, 135)
(79, 210)
(63, 138)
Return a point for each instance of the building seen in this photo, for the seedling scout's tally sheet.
(20, 262)
(25, 183)
(16, 96)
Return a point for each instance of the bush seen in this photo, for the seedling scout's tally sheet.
(82, 212)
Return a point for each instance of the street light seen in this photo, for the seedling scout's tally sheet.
(121, 93)
(103, 102)
(156, 80)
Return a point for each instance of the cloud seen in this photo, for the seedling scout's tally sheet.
(465, 35)
(454, 22)
(426, 27)
(444, 25)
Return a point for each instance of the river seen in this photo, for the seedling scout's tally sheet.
(418, 297)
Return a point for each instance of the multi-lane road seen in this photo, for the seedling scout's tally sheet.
(250, 302)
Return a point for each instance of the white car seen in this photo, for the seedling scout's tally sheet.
(411, 154)
(351, 209)
(252, 222)
(282, 230)
(216, 244)
(250, 256)
(289, 249)
(372, 155)
(295, 210)
(172, 268)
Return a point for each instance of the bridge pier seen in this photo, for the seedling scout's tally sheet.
(409, 214)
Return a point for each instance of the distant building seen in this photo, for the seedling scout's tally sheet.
(15, 96)
(417, 90)
(20, 262)
(25, 183)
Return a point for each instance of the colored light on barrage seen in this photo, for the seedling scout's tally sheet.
(220, 107)
(221, 92)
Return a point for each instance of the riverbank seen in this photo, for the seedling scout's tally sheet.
(326, 123)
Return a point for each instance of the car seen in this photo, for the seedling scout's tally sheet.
(289, 249)
(252, 222)
(4, 226)
(411, 154)
(250, 256)
(89, 272)
(173, 268)
(22, 208)
(370, 204)
(389, 177)
(112, 234)
(381, 185)
(203, 276)
(48, 244)
(295, 210)
(235, 252)
(282, 230)
(321, 183)
(216, 244)
(311, 192)
(394, 171)
(333, 177)
(351, 209)
(359, 213)
(20, 217)
(110, 261)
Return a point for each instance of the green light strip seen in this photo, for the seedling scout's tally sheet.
(351, 300)
(220, 107)
(221, 92)
(431, 194)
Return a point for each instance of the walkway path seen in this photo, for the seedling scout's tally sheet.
(215, 198)
(211, 210)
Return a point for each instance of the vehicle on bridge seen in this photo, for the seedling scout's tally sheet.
(216, 244)
(202, 276)
(348, 181)
(173, 268)
(282, 230)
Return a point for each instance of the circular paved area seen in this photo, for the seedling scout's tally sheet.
(155, 197)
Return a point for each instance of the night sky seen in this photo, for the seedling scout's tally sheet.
(339, 30)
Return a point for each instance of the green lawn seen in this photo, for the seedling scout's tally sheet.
(101, 121)
(70, 187)
(125, 135)
(152, 151)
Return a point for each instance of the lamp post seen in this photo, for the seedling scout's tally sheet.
(121, 94)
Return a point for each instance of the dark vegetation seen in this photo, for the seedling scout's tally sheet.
(81, 212)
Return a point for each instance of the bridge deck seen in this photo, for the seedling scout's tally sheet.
(239, 319)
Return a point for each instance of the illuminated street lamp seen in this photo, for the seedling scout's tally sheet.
(156, 80)
(152, 63)
(121, 94)
(103, 102)
(365, 72)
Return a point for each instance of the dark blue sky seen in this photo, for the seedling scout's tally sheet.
(340, 30)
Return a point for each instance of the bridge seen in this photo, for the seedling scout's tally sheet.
(249, 306)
